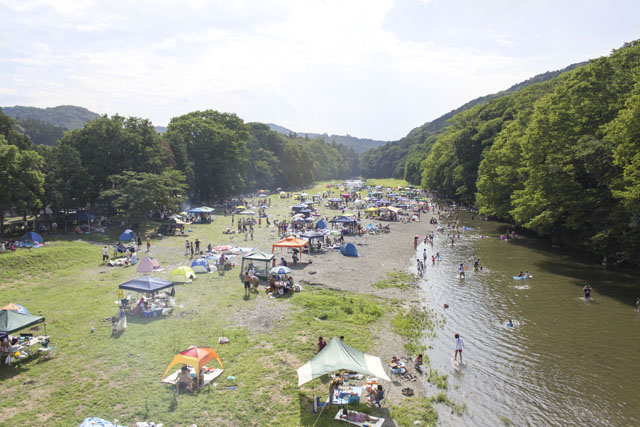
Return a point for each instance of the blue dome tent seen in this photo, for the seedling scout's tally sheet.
(127, 236)
(348, 249)
(31, 237)
(200, 265)
(322, 224)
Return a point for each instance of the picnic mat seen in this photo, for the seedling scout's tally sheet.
(208, 377)
(378, 423)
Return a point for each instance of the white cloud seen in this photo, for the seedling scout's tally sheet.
(312, 65)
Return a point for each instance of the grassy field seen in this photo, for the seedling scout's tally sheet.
(94, 374)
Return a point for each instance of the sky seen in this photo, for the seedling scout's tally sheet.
(368, 68)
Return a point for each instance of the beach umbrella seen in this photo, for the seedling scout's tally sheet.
(241, 207)
(280, 270)
(333, 233)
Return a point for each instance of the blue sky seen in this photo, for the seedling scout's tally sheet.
(369, 68)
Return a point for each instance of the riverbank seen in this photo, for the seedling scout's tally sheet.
(94, 374)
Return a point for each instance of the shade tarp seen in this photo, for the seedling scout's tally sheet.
(146, 284)
(391, 208)
(290, 242)
(31, 237)
(196, 357)
(338, 356)
(81, 216)
(11, 321)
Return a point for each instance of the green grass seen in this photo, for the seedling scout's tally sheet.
(414, 326)
(396, 279)
(94, 374)
(440, 381)
(414, 409)
(455, 408)
(386, 182)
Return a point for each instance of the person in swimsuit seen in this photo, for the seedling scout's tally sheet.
(357, 417)
(587, 292)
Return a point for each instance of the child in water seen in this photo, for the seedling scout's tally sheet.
(587, 292)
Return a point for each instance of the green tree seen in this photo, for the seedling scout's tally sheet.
(135, 194)
(211, 149)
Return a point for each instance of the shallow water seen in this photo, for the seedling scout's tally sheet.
(566, 361)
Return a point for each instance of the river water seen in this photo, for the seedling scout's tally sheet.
(565, 362)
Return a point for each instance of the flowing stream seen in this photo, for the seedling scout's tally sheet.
(565, 362)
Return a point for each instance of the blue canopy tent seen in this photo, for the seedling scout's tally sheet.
(305, 212)
(201, 210)
(297, 208)
(127, 236)
(31, 236)
(80, 217)
(343, 220)
(322, 224)
(349, 249)
(146, 284)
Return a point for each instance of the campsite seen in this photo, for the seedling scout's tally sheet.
(268, 339)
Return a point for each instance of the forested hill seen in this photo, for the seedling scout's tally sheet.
(401, 159)
(560, 157)
(359, 145)
(65, 116)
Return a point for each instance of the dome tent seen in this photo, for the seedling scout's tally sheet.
(349, 249)
(182, 274)
(148, 265)
(200, 265)
(127, 236)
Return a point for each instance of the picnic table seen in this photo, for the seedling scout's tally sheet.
(25, 347)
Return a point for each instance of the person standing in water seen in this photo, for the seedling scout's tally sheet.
(587, 292)
(638, 303)
(459, 347)
(461, 271)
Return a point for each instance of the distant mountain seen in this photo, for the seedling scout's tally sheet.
(64, 116)
(39, 132)
(359, 145)
(160, 129)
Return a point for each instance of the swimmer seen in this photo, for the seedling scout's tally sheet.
(509, 323)
(587, 292)
(519, 274)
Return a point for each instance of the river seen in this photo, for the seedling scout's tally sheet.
(565, 362)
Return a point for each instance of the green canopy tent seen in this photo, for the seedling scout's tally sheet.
(261, 262)
(12, 321)
(337, 356)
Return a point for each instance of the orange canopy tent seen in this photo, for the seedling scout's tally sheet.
(196, 357)
(290, 242)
